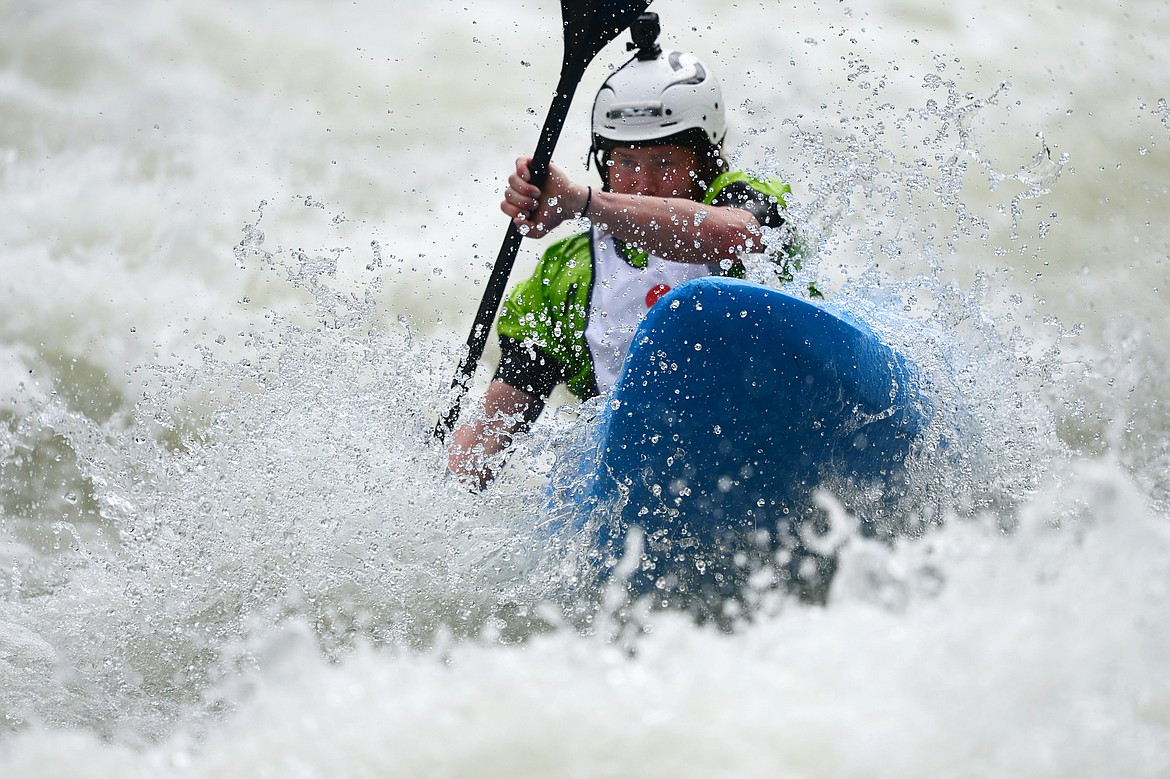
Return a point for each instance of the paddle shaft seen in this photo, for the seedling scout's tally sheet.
(588, 26)
(494, 293)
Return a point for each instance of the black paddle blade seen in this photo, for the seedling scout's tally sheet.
(591, 24)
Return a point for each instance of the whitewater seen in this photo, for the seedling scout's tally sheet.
(241, 244)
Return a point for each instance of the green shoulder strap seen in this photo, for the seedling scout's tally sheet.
(769, 187)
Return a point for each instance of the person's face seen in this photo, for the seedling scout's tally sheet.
(665, 171)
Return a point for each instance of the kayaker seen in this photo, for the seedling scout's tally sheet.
(668, 210)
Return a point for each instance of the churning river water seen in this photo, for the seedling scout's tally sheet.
(241, 243)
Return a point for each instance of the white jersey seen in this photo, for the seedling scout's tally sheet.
(621, 296)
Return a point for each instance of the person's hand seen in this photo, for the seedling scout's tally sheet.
(537, 212)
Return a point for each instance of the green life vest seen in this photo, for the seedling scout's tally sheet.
(551, 309)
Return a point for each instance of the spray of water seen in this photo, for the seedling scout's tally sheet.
(244, 559)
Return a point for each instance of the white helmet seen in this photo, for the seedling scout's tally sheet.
(652, 99)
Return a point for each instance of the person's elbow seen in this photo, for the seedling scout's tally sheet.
(739, 233)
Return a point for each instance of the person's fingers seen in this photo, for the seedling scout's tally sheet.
(522, 167)
(522, 187)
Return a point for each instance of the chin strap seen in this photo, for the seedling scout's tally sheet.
(597, 156)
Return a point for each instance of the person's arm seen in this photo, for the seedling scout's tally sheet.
(673, 228)
(506, 410)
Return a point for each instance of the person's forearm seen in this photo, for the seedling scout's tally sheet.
(474, 444)
(676, 229)
(472, 448)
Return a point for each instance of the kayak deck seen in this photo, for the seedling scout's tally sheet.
(735, 404)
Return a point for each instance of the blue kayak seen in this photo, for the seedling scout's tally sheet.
(735, 404)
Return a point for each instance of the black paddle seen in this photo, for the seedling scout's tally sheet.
(589, 26)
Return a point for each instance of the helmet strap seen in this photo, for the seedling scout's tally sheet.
(596, 155)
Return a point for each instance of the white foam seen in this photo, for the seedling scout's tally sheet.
(225, 546)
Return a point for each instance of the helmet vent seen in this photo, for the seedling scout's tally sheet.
(634, 111)
(699, 77)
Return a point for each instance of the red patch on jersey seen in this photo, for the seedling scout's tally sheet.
(656, 292)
